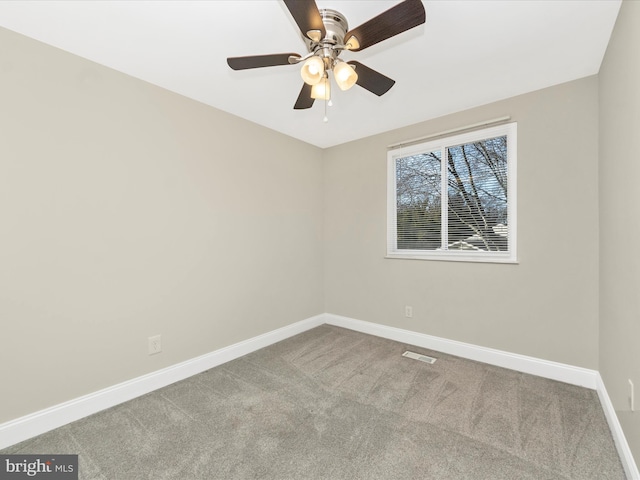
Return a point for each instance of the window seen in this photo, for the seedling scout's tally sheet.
(454, 198)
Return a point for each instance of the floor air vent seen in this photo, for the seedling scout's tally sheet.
(418, 356)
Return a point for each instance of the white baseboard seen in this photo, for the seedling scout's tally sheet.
(42, 421)
(629, 464)
(521, 363)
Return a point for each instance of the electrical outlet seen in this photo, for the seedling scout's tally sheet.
(408, 311)
(155, 344)
(631, 396)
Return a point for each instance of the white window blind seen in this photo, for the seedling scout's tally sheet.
(454, 198)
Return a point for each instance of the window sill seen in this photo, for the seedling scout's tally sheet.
(451, 257)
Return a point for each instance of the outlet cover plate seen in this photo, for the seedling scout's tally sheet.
(155, 344)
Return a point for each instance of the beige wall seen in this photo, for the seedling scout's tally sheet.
(547, 305)
(128, 211)
(620, 219)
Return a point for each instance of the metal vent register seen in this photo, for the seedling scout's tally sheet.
(420, 357)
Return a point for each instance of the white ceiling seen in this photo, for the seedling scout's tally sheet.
(469, 53)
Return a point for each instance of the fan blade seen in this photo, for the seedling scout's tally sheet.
(308, 18)
(371, 80)
(304, 99)
(257, 61)
(398, 19)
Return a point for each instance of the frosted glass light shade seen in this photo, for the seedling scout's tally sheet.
(322, 90)
(312, 70)
(345, 75)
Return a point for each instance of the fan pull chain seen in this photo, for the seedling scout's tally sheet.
(329, 102)
(325, 119)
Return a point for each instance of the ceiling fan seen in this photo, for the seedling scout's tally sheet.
(326, 35)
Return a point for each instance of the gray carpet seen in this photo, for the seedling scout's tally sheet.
(336, 404)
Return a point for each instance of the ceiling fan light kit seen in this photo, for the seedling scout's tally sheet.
(326, 35)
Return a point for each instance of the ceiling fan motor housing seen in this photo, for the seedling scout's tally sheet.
(336, 27)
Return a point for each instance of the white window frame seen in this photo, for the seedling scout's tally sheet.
(510, 256)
